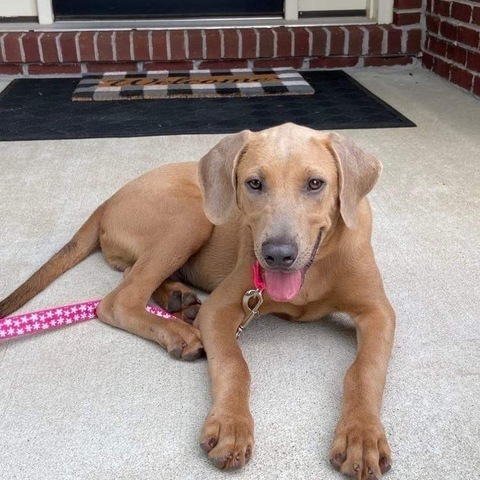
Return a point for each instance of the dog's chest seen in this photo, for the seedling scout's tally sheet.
(313, 302)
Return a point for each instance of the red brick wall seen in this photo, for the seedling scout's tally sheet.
(313, 47)
(407, 12)
(452, 42)
(330, 47)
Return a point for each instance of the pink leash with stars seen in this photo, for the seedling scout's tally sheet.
(52, 318)
(49, 319)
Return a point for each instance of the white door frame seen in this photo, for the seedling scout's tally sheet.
(45, 12)
(378, 10)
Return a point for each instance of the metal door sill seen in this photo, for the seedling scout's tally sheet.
(176, 24)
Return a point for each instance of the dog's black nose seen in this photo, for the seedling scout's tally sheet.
(279, 254)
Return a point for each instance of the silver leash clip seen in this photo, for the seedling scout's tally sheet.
(254, 298)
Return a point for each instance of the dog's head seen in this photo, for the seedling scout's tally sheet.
(291, 184)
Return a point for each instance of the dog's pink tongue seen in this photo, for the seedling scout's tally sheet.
(282, 286)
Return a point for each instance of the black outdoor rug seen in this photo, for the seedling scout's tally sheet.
(42, 109)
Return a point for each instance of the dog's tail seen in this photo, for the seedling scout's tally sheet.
(82, 244)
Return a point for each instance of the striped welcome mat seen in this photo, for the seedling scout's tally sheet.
(192, 84)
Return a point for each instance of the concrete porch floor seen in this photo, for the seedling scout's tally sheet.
(92, 402)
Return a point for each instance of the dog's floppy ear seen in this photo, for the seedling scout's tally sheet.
(357, 174)
(217, 177)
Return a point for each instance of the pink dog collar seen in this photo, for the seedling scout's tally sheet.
(257, 277)
(29, 323)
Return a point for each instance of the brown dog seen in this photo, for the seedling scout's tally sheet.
(291, 198)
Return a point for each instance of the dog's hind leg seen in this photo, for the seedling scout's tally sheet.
(125, 307)
(178, 299)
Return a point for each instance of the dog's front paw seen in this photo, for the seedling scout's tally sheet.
(227, 438)
(360, 448)
(182, 341)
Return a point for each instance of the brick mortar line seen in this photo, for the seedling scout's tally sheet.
(95, 47)
(404, 40)
(465, 2)
(407, 10)
(292, 42)
(40, 47)
(346, 40)
(240, 44)
(384, 48)
(450, 6)
(455, 64)
(328, 41)
(423, 25)
(59, 48)
(257, 43)
(407, 28)
(307, 57)
(130, 45)
(310, 41)
(150, 45)
(77, 47)
(456, 23)
(409, 25)
(384, 55)
(365, 40)
(2, 48)
(186, 46)
(22, 49)
(222, 43)
(168, 46)
(455, 43)
(343, 55)
(113, 39)
(204, 44)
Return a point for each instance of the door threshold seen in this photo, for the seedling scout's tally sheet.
(173, 24)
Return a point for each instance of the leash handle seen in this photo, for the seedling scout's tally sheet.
(49, 319)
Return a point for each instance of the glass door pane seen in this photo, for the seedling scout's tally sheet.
(165, 8)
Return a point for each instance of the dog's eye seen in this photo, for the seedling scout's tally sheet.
(315, 184)
(254, 184)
